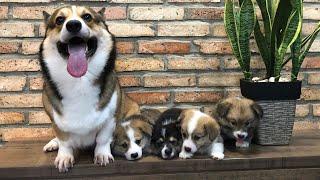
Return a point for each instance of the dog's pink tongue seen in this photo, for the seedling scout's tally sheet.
(77, 60)
(240, 141)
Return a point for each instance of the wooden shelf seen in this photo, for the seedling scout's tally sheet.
(300, 160)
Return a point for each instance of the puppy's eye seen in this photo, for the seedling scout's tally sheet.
(173, 141)
(60, 20)
(138, 141)
(160, 141)
(196, 137)
(87, 17)
(184, 135)
(124, 145)
(233, 123)
(247, 123)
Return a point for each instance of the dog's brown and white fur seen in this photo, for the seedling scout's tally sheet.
(238, 118)
(83, 110)
(132, 137)
(201, 134)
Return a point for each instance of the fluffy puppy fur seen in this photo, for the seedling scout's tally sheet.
(201, 134)
(133, 135)
(238, 118)
(166, 136)
(81, 93)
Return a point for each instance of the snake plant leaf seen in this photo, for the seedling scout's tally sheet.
(247, 19)
(266, 18)
(295, 53)
(290, 34)
(263, 47)
(231, 29)
(306, 50)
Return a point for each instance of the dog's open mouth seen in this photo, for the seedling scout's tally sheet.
(77, 51)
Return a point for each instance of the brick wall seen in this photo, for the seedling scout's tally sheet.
(171, 52)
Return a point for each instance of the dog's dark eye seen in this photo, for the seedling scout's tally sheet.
(247, 123)
(60, 20)
(184, 135)
(138, 141)
(173, 141)
(160, 141)
(124, 145)
(233, 123)
(87, 17)
(196, 137)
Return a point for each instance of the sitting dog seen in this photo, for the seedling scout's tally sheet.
(166, 136)
(81, 93)
(132, 137)
(201, 134)
(238, 118)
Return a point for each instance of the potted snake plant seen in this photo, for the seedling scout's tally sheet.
(282, 25)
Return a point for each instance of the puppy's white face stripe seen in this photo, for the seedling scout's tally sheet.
(243, 133)
(163, 132)
(133, 148)
(163, 153)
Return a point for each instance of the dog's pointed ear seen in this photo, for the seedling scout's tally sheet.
(102, 11)
(257, 110)
(146, 128)
(46, 16)
(222, 109)
(212, 129)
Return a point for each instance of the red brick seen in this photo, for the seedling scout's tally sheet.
(125, 47)
(115, 13)
(193, 62)
(164, 47)
(11, 65)
(17, 29)
(198, 96)
(310, 93)
(11, 117)
(193, 1)
(130, 29)
(305, 125)
(30, 47)
(233, 92)
(156, 13)
(311, 62)
(26, 134)
(169, 80)
(139, 64)
(214, 46)
(20, 100)
(149, 97)
(302, 110)
(7, 47)
(204, 13)
(218, 30)
(232, 63)
(129, 81)
(32, 12)
(193, 28)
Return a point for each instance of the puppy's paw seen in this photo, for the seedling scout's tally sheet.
(64, 161)
(103, 159)
(51, 146)
(217, 155)
(184, 155)
(244, 144)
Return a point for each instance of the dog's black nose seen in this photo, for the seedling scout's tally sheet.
(134, 155)
(73, 26)
(240, 136)
(168, 151)
(187, 149)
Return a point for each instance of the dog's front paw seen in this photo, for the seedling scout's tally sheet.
(184, 155)
(103, 159)
(64, 161)
(51, 146)
(244, 144)
(217, 155)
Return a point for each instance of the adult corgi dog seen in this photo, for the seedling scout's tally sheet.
(81, 93)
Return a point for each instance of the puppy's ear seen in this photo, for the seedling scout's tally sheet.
(181, 116)
(222, 109)
(146, 128)
(46, 16)
(212, 129)
(102, 11)
(257, 110)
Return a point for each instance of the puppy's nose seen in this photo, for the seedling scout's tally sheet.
(240, 136)
(168, 151)
(134, 155)
(187, 149)
(73, 26)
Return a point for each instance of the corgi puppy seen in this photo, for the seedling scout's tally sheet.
(81, 93)
(166, 137)
(238, 118)
(133, 135)
(200, 134)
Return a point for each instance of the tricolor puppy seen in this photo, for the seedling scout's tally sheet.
(132, 137)
(238, 118)
(81, 92)
(166, 135)
(201, 135)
